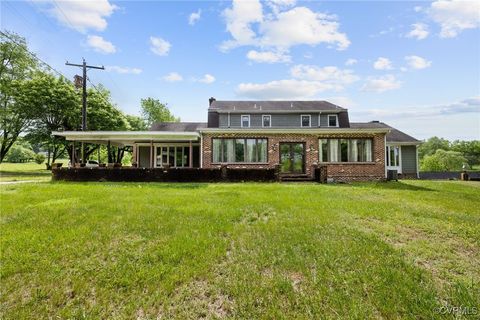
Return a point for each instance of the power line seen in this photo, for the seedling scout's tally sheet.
(42, 62)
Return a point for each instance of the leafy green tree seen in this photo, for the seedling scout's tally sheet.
(155, 111)
(39, 158)
(430, 146)
(20, 152)
(469, 149)
(443, 160)
(136, 123)
(58, 108)
(16, 65)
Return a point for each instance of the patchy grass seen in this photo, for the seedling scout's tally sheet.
(277, 251)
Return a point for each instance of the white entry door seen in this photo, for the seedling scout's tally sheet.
(394, 158)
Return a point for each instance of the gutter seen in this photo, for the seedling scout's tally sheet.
(296, 130)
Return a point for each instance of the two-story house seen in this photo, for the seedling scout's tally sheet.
(297, 136)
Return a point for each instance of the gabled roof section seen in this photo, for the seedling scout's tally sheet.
(394, 136)
(275, 106)
(178, 126)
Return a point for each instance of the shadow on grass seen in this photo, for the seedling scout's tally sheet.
(399, 185)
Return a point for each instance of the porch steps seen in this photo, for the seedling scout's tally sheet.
(296, 178)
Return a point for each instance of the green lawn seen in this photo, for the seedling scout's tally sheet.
(245, 251)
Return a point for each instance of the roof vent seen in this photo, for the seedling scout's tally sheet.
(374, 121)
(255, 106)
(210, 101)
(291, 105)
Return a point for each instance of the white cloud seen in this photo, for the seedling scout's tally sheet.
(83, 15)
(299, 26)
(100, 45)
(194, 17)
(280, 29)
(268, 56)
(282, 89)
(239, 20)
(344, 102)
(207, 78)
(419, 31)
(455, 16)
(471, 105)
(123, 70)
(307, 81)
(351, 62)
(173, 77)
(159, 46)
(381, 84)
(330, 74)
(383, 64)
(416, 62)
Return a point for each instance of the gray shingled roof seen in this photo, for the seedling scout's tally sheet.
(178, 126)
(394, 135)
(253, 106)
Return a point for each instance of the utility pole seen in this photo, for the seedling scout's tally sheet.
(84, 66)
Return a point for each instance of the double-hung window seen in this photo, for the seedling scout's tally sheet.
(332, 120)
(245, 121)
(266, 121)
(306, 120)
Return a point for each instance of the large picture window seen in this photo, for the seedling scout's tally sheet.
(345, 150)
(239, 150)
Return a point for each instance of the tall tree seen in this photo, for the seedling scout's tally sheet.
(469, 149)
(58, 108)
(430, 146)
(155, 111)
(136, 123)
(16, 65)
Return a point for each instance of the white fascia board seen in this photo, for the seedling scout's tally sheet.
(410, 143)
(126, 135)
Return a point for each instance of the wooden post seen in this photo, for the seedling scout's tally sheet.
(190, 155)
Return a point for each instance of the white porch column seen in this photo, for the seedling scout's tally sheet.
(151, 154)
(190, 157)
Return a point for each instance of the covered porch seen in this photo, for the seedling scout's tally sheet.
(149, 149)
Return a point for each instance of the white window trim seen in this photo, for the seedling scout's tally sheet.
(309, 120)
(241, 120)
(270, 122)
(328, 120)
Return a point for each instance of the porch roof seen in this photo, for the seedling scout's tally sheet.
(126, 137)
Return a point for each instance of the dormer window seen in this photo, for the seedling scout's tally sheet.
(266, 121)
(246, 121)
(306, 120)
(332, 120)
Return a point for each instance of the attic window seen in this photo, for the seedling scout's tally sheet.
(332, 120)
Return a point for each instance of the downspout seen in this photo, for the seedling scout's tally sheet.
(201, 150)
(385, 154)
(416, 156)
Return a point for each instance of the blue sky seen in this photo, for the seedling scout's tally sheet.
(414, 65)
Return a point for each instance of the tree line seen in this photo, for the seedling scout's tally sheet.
(438, 154)
(34, 102)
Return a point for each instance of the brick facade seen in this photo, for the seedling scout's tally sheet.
(346, 171)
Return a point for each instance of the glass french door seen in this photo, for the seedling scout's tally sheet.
(292, 157)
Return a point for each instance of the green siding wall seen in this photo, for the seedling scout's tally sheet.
(409, 159)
